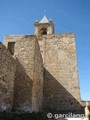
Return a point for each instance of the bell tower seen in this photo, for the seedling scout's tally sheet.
(44, 27)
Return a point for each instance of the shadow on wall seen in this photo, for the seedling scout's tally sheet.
(22, 90)
(57, 98)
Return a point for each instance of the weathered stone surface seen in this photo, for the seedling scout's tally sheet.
(7, 76)
(37, 98)
(28, 85)
(61, 83)
(57, 55)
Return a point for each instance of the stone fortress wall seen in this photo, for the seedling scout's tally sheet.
(60, 88)
(43, 74)
(7, 77)
(27, 79)
(61, 82)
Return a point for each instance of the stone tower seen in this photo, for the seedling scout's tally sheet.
(44, 27)
(44, 71)
(61, 82)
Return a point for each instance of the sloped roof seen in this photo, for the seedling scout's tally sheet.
(44, 20)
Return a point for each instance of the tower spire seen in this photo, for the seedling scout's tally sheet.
(44, 20)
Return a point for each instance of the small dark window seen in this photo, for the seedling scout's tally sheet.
(43, 31)
(11, 46)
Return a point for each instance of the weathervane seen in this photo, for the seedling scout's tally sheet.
(44, 12)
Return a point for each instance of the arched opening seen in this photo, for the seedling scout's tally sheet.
(43, 31)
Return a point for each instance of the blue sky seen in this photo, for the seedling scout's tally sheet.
(18, 17)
